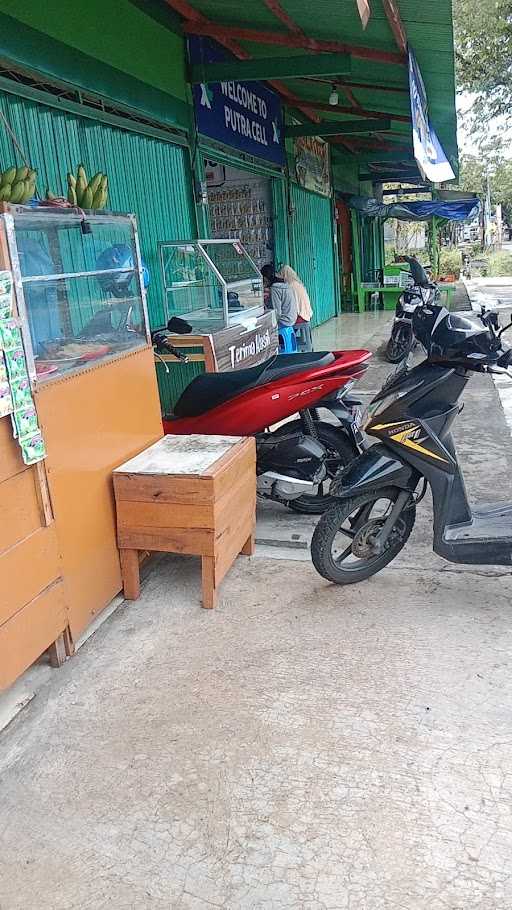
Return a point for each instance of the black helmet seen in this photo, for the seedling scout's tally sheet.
(455, 337)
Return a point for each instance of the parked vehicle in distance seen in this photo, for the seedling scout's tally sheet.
(422, 291)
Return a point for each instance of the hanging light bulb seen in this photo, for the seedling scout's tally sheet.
(334, 97)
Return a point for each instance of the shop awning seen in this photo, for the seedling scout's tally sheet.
(460, 210)
(333, 55)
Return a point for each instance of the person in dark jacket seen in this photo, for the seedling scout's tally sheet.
(282, 297)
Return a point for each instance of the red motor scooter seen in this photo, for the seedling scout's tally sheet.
(297, 459)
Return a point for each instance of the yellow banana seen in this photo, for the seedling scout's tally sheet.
(72, 195)
(71, 181)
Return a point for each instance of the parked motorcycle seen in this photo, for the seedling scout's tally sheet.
(423, 291)
(296, 460)
(412, 417)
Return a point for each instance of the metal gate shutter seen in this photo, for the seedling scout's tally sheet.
(312, 249)
(147, 176)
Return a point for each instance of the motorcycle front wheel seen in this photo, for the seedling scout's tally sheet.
(400, 344)
(341, 545)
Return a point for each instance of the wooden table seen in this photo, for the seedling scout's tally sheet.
(187, 494)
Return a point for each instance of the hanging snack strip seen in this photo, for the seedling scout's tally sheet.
(15, 393)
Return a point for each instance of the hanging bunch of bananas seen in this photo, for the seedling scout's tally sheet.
(17, 184)
(87, 194)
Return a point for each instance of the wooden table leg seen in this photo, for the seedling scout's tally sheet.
(130, 573)
(208, 578)
(249, 546)
(57, 652)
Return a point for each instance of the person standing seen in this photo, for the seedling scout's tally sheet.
(304, 308)
(282, 298)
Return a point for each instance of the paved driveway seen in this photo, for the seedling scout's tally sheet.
(304, 746)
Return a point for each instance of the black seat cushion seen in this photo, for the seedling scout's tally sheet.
(210, 389)
(207, 391)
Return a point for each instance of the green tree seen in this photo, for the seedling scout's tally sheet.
(483, 48)
(473, 177)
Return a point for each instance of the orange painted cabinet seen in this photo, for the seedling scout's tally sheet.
(80, 301)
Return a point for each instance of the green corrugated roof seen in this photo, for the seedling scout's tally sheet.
(429, 31)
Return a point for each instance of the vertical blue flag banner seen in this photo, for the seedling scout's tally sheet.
(428, 151)
(244, 115)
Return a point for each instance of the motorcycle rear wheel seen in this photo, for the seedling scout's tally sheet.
(399, 345)
(353, 519)
(341, 450)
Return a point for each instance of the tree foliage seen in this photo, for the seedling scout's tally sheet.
(483, 48)
(473, 178)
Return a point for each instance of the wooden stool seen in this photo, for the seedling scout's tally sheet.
(187, 494)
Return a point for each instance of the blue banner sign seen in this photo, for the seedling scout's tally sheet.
(244, 115)
(428, 151)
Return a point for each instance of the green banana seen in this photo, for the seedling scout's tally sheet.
(80, 173)
(28, 191)
(104, 182)
(95, 183)
(98, 196)
(21, 173)
(72, 196)
(17, 192)
(71, 181)
(49, 195)
(80, 188)
(5, 192)
(87, 199)
(8, 176)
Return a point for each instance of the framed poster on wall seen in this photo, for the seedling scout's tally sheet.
(312, 164)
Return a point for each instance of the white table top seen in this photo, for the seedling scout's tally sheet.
(192, 454)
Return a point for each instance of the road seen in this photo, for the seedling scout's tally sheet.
(496, 291)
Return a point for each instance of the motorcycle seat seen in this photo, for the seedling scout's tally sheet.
(209, 390)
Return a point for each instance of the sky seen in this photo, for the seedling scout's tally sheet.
(465, 135)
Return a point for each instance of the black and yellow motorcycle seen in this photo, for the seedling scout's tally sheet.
(412, 415)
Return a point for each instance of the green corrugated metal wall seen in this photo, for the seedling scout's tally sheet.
(279, 207)
(312, 249)
(147, 176)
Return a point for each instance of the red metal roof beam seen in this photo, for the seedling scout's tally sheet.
(193, 15)
(275, 7)
(395, 22)
(340, 109)
(229, 32)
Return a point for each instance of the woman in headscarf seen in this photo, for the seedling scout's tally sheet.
(304, 308)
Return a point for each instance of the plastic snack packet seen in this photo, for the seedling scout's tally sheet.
(21, 394)
(10, 335)
(33, 449)
(6, 404)
(26, 422)
(16, 364)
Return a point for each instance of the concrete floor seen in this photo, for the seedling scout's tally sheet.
(304, 746)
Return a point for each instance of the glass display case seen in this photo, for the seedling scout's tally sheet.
(79, 287)
(212, 284)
